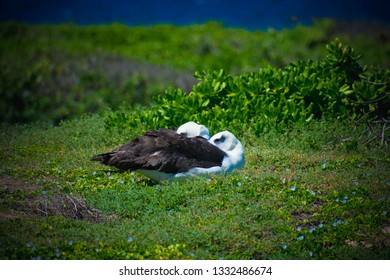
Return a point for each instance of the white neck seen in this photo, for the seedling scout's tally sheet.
(235, 159)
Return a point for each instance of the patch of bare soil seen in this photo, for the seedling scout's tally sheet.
(13, 184)
(43, 204)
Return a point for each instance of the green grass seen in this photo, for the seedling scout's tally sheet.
(300, 196)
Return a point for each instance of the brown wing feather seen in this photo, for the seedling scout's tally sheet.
(164, 150)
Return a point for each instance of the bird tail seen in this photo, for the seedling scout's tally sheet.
(103, 158)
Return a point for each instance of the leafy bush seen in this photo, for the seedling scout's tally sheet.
(334, 87)
(55, 72)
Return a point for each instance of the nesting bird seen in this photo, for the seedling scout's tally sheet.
(168, 154)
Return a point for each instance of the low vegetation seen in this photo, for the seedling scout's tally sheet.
(314, 128)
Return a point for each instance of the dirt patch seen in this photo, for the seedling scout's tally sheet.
(13, 184)
(18, 200)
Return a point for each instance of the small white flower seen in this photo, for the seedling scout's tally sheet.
(57, 252)
(284, 246)
(300, 238)
(336, 223)
(293, 188)
(130, 239)
(298, 228)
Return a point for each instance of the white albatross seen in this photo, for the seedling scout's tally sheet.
(167, 155)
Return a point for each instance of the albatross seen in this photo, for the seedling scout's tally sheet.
(165, 154)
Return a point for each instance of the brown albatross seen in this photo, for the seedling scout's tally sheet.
(167, 155)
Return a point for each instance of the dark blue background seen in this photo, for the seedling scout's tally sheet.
(249, 14)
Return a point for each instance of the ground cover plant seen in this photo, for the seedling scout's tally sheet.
(315, 185)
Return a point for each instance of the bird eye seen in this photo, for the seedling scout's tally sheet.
(220, 140)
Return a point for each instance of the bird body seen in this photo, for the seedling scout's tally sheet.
(166, 155)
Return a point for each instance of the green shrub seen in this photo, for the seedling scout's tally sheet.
(55, 72)
(334, 87)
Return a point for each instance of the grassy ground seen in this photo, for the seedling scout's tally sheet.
(302, 195)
